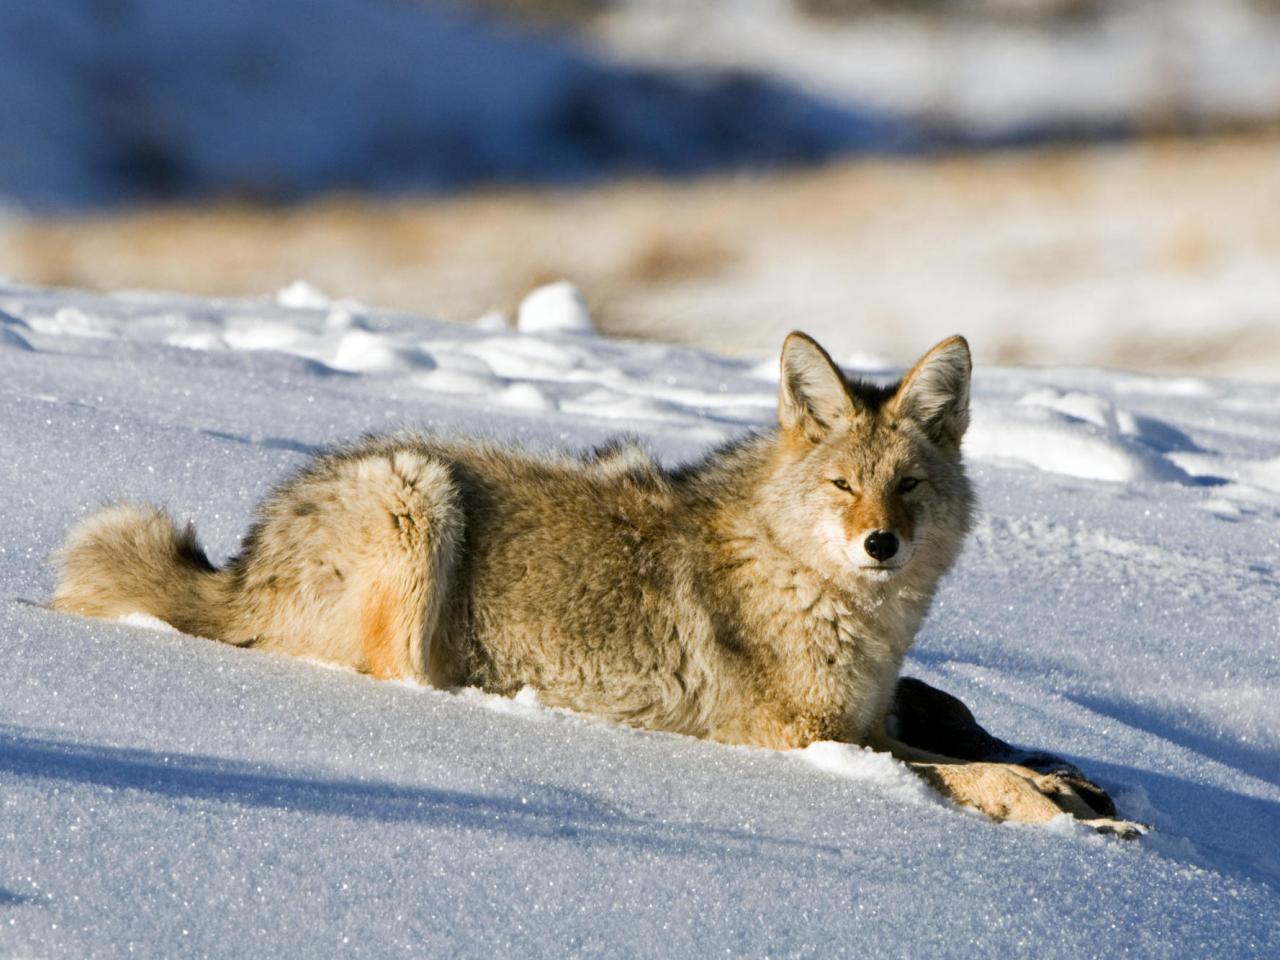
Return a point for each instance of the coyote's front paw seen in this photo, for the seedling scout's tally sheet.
(1124, 829)
(1005, 791)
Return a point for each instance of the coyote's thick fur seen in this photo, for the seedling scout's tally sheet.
(766, 595)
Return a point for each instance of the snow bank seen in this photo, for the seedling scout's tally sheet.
(165, 795)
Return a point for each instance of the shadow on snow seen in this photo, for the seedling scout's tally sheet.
(542, 812)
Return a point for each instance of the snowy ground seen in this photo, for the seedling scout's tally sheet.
(164, 795)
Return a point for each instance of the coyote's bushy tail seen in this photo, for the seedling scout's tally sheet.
(134, 559)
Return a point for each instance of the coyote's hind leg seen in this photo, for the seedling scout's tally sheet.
(351, 560)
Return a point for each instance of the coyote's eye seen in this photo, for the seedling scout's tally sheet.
(842, 484)
(907, 484)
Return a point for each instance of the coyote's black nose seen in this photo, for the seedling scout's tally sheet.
(881, 544)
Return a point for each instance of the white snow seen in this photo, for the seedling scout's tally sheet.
(164, 795)
(146, 622)
(302, 296)
(554, 308)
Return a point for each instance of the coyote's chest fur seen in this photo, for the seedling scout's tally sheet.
(823, 655)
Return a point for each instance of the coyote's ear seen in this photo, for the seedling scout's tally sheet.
(935, 392)
(812, 398)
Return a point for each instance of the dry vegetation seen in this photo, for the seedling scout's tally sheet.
(1027, 250)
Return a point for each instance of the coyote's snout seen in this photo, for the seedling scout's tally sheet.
(765, 595)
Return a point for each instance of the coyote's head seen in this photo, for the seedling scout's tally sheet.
(868, 481)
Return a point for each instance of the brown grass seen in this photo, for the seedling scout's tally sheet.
(891, 245)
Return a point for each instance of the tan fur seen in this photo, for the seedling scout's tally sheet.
(735, 599)
(377, 631)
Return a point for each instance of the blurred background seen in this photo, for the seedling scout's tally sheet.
(1064, 181)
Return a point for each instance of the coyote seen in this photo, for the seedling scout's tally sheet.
(765, 595)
